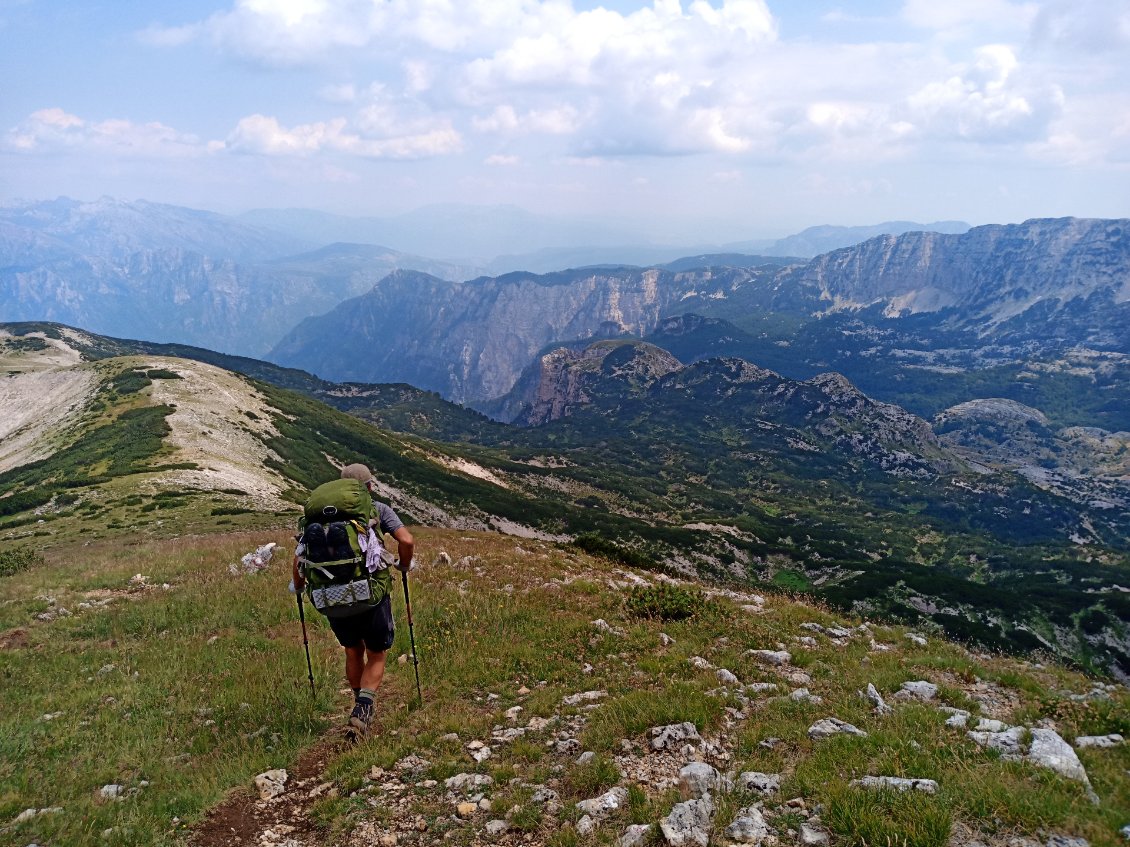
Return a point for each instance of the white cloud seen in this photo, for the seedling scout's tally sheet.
(989, 102)
(1086, 25)
(341, 93)
(499, 160)
(265, 135)
(506, 120)
(50, 130)
(964, 16)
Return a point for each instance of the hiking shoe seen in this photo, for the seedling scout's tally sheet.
(337, 539)
(317, 550)
(361, 716)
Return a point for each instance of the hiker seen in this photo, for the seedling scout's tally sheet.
(367, 635)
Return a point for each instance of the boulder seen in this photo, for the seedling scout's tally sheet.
(777, 658)
(873, 696)
(1112, 740)
(896, 783)
(601, 807)
(828, 727)
(813, 836)
(270, 784)
(749, 827)
(762, 783)
(674, 736)
(918, 690)
(634, 836)
(689, 823)
(583, 697)
(699, 779)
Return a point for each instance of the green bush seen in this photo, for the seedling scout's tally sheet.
(666, 602)
(596, 544)
(16, 559)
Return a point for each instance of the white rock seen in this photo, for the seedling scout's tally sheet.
(898, 783)
(760, 687)
(586, 757)
(699, 779)
(601, 807)
(763, 783)
(749, 827)
(674, 735)
(481, 754)
(777, 658)
(1112, 740)
(583, 697)
(803, 695)
(634, 836)
(811, 836)
(1009, 742)
(586, 826)
(467, 782)
(915, 638)
(666, 640)
(958, 718)
(700, 663)
(828, 727)
(496, 827)
(27, 814)
(920, 690)
(1051, 751)
(872, 695)
(988, 725)
(689, 823)
(112, 791)
(271, 783)
(726, 677)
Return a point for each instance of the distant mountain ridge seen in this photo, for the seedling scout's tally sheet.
(1020, 290)
(167, 273)
(823, 239)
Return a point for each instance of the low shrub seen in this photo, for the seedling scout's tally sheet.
(16, 559)
(666, 602)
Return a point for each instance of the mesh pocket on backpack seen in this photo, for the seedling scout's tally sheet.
(335, 596)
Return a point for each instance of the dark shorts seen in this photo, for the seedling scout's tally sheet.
(374, 627)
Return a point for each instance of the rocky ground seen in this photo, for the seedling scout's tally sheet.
(718, 802)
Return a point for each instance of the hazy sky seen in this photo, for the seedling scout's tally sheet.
(712, 118)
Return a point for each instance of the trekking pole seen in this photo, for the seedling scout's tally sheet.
(412, 635)
(306, 644)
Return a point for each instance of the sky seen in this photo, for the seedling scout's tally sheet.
(707, 119)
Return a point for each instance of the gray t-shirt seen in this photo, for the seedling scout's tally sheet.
(390, 523)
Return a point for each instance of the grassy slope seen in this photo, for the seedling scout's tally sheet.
(140, 680)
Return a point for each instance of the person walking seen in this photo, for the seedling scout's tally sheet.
(366, 637)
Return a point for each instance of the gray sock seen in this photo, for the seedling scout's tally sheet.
(367, 694)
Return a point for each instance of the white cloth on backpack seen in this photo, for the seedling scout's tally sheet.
(377, 558)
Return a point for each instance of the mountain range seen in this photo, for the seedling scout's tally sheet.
(717, 468)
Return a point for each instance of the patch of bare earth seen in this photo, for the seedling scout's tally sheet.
(43, 391)
(220, 424)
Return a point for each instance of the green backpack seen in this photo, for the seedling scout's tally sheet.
(335, 541)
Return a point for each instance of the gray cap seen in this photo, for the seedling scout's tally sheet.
(359, 472)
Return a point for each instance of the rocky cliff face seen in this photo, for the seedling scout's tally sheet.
(471, 341)
(566, 380)
(997, 279)
(1042, 286)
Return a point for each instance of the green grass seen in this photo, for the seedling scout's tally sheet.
(518, 632)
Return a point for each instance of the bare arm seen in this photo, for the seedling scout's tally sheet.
(405, 545)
